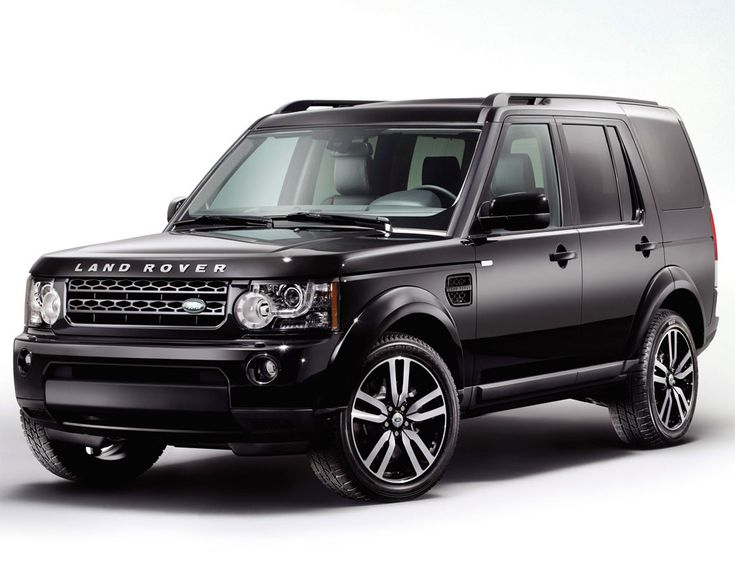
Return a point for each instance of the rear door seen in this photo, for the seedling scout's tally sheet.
(619, 230)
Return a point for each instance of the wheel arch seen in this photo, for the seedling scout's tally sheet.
(433, 332)
(671, 288)
(409, 310)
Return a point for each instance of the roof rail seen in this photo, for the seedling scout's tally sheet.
(297, 106)
(504, 99)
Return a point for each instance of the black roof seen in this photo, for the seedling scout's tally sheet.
(469, 111)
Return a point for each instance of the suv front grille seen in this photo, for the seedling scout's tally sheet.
(152, 302)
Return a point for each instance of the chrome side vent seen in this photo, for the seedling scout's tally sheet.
(459, 290)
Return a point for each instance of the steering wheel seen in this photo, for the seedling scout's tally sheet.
(446, 197)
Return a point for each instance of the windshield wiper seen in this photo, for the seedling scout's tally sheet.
(380, 223)
(215, 221)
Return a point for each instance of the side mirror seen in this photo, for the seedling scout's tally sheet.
(173, 207)
(516, 211)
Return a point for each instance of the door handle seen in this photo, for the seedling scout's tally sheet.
(645, 247)
(561, 255)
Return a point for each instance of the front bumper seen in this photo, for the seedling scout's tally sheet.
(181, 393)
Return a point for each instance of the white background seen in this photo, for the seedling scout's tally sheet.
(107, 112)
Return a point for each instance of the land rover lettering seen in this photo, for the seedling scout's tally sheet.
(149, 268)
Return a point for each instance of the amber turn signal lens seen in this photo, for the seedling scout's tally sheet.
(334, 305)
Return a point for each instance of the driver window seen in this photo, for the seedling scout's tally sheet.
(526, 164)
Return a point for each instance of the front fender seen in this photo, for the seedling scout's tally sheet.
(374, 320)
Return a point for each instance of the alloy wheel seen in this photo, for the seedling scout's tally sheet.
(398, 420)
(674, 376)
(111, 452)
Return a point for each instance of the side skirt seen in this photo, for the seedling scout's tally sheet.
(584, 382)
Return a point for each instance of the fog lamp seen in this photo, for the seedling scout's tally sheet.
(262, 369)
(24, 361)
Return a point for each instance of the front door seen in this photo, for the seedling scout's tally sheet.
(529, 283)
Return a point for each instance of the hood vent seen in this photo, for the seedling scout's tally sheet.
(459, 290)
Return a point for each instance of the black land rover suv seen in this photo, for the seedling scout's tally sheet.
(352, 278)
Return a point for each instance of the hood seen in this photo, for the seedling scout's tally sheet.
(252, 253)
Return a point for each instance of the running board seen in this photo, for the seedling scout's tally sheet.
(546, 387)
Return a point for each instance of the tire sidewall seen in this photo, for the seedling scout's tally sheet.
(404, 346)
(671, 322)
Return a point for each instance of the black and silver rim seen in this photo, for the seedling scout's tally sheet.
(674, 377)
(112, 452)
(398, 420)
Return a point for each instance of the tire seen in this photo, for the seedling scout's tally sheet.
(656, 406)
(391, 443)
(116, 464)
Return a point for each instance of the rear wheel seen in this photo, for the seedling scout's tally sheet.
(399, 430)
(116, 462)
(657, 405)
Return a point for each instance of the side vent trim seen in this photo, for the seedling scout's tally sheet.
(459, 289)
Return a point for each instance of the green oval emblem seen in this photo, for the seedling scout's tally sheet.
(194, 306)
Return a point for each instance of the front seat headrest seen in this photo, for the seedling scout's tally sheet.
(442, 171)
(352, 168)
(514, 173)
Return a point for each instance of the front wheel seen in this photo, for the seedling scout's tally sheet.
(117, 462)
(656, 407)
(399, 430)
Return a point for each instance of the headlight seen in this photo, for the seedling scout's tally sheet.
(288, 305)
(44, 303)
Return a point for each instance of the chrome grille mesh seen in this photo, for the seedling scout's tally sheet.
(154, 302)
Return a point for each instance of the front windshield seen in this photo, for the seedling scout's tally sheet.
(411, 176)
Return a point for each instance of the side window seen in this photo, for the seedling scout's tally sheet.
(591, 169)
(627, 184)
(669, 158)
(526, 164)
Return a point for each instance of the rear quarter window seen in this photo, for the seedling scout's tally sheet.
(668, 157)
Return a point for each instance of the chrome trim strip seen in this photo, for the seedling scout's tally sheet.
(535, 234)
(420, 231)
(579, 228)
(77, 311)
(147, 285)
(605, 227)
